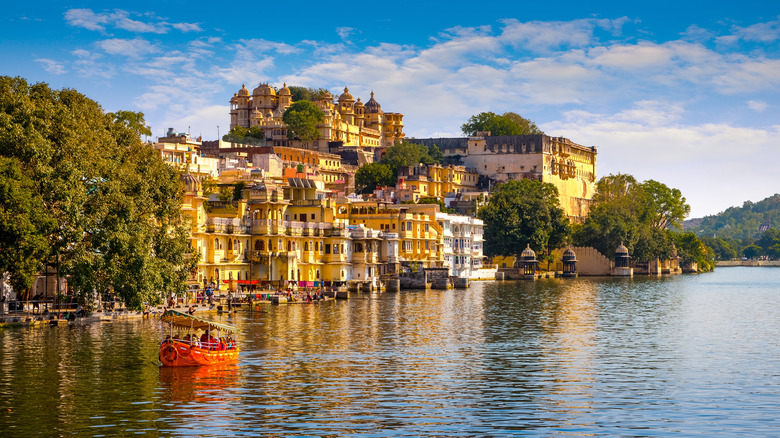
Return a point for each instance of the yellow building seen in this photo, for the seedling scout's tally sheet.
(434, 181)
(219, 234)
(347, 122)
(570, 167)
(420, 235)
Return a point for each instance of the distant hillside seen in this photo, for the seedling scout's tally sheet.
(746, 222)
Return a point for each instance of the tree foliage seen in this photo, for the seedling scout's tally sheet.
(113, 203)
(524, 212)
(637, 215)
(132, 120)
(305, 93)
(370, 176)
(252, 135)
(442, 207)
(301, 119)
(404, 153)
(508, 123)
(24, 225)
(741, 223)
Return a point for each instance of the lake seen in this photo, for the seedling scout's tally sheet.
(683, 355)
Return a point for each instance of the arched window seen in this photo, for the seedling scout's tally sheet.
(216, 274)
(289, 246)
(318, 274)
(259, 245)
(230, 245)
(305, 246)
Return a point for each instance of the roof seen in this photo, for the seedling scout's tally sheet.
(301, 183)
(179, 319)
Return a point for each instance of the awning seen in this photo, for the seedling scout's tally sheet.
(185, 320)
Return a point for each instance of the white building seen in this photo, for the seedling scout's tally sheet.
(463, 244)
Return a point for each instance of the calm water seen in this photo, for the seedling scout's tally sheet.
(690, 355)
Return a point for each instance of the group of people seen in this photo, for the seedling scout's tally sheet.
(206, 341)
(307, 296)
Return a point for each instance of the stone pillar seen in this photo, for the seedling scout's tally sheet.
(461, 283)
(441, 283)
(393, 285)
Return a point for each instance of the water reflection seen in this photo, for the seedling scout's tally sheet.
(552, 357)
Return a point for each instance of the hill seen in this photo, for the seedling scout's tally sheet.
(746, 222)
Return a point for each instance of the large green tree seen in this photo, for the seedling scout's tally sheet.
(404, 153)
(508, 123)
(301, 119)
(639, 216)
(252, 135)
(306, 93)
(370, 176)
(114, 204)
(524, 212)
(24, 225)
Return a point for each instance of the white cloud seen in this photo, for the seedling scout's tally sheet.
(345, 32)
(87, 19)
(135, 48)
(121, 19)
(757, 105)
(187, 27)
(547, 35)
(651, 141)
(203, 120)
(254, 46)
(52, 66)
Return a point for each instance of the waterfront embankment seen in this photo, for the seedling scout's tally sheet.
(733, 263)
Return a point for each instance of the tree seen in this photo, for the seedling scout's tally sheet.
(663, 207)
(442, 207)
(24, 226)
(252, 135)
(769, 238)
(524, 212)
(305, 93)
(132, 120)
(634, 214)
(301, 119)
(506, 124)
(404, 154)
(114, 204)
(238, 190)
(370, 176)
(752, 251)
(691, 249)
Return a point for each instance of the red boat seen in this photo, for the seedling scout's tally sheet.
(187, 340)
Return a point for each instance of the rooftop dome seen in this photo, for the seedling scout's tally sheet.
(191, 184)
(528, 253)
(284, 91)
(621, 250)
(358, 103)
(327, 96)
(346, 97)
(569, 256)
(264, 90)
(372, 105)
(243, 91)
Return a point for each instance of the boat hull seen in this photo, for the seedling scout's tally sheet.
(181, 354)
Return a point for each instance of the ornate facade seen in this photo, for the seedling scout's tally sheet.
(348, 122)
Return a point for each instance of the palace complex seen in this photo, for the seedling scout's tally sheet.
(282, 212)
(570, 167)
(348, 122)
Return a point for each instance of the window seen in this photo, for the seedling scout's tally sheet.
(327, 248)
(312, 216)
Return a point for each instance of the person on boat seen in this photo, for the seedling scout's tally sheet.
(207, 340)
(191, 310)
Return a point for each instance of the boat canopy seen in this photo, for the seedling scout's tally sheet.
(185, 320)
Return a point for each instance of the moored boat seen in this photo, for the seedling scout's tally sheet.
(187, 340)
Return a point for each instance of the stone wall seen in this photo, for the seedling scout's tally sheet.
(589, 261)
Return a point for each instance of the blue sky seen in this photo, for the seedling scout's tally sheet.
(685, 93)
